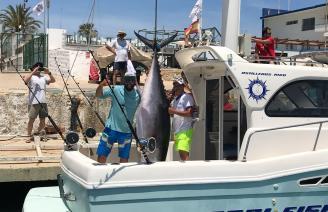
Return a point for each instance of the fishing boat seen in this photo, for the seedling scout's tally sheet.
(268, 154)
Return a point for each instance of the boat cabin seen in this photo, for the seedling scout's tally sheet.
(251, 111)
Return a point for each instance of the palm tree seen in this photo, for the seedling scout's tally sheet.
(18, 19)
(87, 30)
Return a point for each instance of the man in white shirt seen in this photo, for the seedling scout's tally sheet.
(37, 105)
(121, 49)
(182, 109)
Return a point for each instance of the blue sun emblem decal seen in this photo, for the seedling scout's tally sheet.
(257, 89)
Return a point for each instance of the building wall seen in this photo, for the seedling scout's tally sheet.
(78, 59)
(14, 114)
(56, 38)
(281, 30)
(78, 62)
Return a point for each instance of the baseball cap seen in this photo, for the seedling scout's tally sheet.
(178, 80)
(128, 76)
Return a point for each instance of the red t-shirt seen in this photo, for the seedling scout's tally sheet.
(266, 51)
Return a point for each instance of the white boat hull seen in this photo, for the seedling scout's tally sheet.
(263, 185)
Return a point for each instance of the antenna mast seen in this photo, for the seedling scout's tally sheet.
(155, 36)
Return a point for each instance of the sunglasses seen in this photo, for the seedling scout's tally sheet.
(129, 80)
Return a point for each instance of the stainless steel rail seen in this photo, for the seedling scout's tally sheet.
(285, 127)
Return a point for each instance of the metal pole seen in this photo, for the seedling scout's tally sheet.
(326, 14)
(44, 17)
(155, 36)
(48, 11)
(200, 23)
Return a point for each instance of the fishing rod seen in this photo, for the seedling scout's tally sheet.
(88, 100)
(90, 132)
(71, 137)
(150, 142)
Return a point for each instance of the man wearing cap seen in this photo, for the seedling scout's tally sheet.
(117, 129)
(182, 109)
(121, 49)
(37, 106)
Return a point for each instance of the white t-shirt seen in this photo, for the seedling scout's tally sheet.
(181, 123)
(38, 86)
(122, 47)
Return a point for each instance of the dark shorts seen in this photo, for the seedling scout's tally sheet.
(107, 140)
(120, 67)
(36, 110)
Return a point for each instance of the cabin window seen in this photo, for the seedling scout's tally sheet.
(300, 99)
(325, 181)
(308, 24)
(291, 22)
(311, 181)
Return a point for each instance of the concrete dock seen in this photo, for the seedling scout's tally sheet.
(35, 161)
(40, 161)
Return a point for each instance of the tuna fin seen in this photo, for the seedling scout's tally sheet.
(167, 40)
(146, 41)
(151, 44)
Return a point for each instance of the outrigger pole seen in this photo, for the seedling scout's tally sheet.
(142, 147)
(73, 109)
(72, 137)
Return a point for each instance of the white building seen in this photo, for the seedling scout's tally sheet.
(75, 58)
(307, 24)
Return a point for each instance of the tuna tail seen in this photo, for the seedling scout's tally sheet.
(153, 43)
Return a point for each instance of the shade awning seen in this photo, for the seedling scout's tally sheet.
(105, 57)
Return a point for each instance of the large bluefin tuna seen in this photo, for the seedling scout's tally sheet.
(152, 117)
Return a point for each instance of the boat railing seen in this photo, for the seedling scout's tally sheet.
(288, 61)
(284, 127)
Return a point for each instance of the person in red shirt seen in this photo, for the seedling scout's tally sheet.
(265, 47)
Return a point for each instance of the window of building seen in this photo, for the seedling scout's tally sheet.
(308, 24)
(291, 22)
(300, 99)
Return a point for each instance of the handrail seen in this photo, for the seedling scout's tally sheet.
(284, 61)
(285, 127)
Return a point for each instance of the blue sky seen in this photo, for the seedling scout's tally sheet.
(128, 15)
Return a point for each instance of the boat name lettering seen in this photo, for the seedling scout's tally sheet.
(310, 208)
(255, 73)
(279, 75)
(263, 74)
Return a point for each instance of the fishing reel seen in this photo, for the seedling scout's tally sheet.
(148, 144)
(90, 132)
(71, 140)
(72, 137)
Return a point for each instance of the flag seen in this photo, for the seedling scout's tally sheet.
(196, 11)
(195, 15)
(193, 28)
(39, 8)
